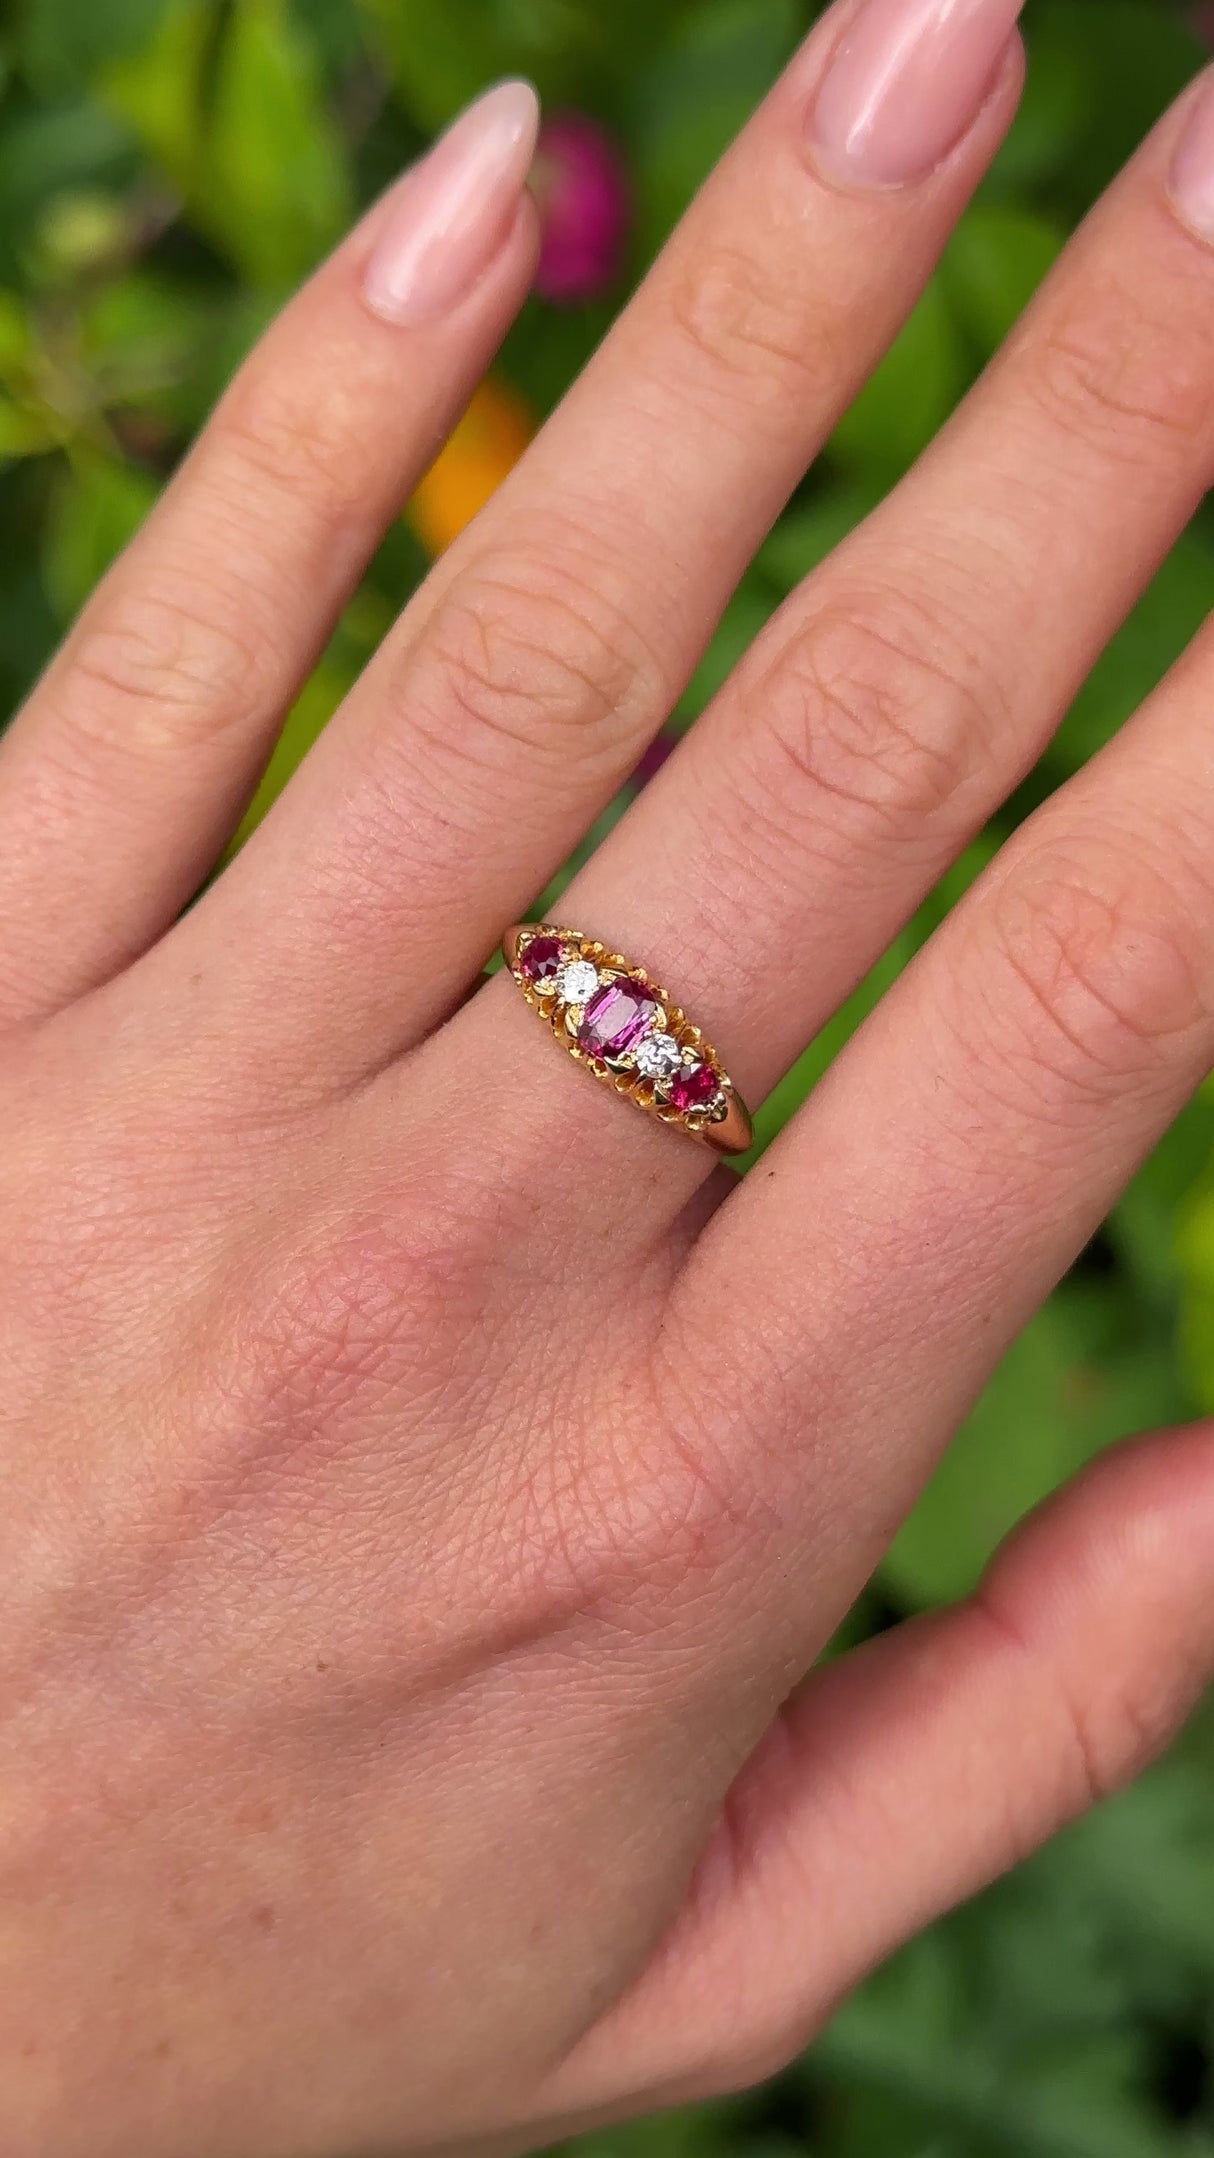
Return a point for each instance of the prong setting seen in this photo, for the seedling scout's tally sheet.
(612, 1017)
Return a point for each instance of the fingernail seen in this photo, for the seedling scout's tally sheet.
(452, 212)
(1192, 182)
(906, 83)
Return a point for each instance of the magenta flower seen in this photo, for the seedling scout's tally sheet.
(581, 186)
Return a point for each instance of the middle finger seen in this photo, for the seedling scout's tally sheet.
(902, 693)
(547, 648)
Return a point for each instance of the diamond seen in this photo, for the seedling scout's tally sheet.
(658, 1057)
(616, 1018)
(578, 982)
(694, 1088)
(541, 962)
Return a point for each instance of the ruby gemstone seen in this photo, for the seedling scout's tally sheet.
(694, 1087)
(542, 961)
(616, 1017)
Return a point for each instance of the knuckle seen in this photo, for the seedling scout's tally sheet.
(1107, 1735)
(876, 707)
(1108, 374)
(748, 327)
(707, 1501)
(159, 670)
(530, 657)
(1108, 955)
(614, 1523)
(622, 1504)
(293, 445)
(1112, 1740)
(665, 1513)
(375, 1305)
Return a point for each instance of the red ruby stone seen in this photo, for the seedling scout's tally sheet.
(616, 1017)
(542, 961)
(693, 1087)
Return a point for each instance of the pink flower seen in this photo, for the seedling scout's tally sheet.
(662, 746)
(585, 203)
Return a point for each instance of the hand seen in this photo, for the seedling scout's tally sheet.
(428, 1484)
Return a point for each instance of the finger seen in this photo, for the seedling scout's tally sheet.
(970, 1140)
(905, 1777)
(901, 695)
(127, 771)
(524, 682)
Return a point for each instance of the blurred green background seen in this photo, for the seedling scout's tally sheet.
(168, 169)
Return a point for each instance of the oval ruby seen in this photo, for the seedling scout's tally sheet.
(616, 1018)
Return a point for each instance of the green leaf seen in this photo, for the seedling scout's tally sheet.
(696, 2133)
(994, 262)
(278, 188)
(159, 91)
(1125, 60)
(1074, 1381)
(97, 506)
(810, 532)
(1170, 612)
(17, 339)
(48, 150)
(906, 402)
(1052, 107)
(1145, 1225)
(242, 131)
(64, 42)
(441, 53)
(24, 433)
(721, 59)
(745, 618)
(1195, 1252)
(362, 629)
(957, 2088)
(141, 326)
(796, 1086)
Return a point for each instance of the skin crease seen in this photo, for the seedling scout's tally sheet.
(428, 1485)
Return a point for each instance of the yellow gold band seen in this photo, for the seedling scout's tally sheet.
(613, 1018)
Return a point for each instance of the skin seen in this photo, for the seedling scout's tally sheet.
(428, 1484)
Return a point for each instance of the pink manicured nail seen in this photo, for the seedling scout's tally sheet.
(451, 213)
(908, 80)
(1192, 182)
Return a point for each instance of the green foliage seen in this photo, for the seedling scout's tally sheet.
(233, 113)
(1090, 1369)
(168, 169)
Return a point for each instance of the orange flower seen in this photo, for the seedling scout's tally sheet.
(487, 444)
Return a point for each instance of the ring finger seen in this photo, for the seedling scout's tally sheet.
(548, 647)
(900, 696)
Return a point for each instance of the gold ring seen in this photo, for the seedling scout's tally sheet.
(614, 1019)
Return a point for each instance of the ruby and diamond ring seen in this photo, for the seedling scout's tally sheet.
(615, 1020)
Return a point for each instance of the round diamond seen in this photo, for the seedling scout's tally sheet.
(658, 1057)
(578, 982)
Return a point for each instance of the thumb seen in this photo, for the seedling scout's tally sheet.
(903, 1778)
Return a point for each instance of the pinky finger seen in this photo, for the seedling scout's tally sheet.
(907, 1776)
(130, 766)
